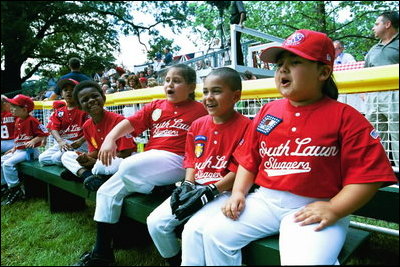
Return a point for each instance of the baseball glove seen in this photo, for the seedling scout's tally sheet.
(185, 187)
(194, 200)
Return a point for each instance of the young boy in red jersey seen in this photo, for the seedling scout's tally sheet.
(85, 167)
(65, 125)
(29, 133)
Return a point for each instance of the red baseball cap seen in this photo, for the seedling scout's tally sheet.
(22, 101)
(63, 82)
(311, 45)
(58, 104)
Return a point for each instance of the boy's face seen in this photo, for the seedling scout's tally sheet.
(66, 93)
(218, 98)
(91, 101)
(18, 111)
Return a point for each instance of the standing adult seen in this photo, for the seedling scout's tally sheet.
(383, 107)
(340, 56)
(75, 74)
(238, 16)
(167, 56)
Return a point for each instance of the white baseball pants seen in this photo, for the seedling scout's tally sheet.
(161, 224)
(137, 173)
(267, 212)
(52, 155)
(6, 145)
(68, 159)
(9, 173)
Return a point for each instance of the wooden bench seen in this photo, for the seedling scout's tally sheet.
(65, 195)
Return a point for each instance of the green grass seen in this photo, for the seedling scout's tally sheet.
(32, 236)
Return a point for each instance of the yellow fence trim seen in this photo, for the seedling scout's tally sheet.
(374, 79)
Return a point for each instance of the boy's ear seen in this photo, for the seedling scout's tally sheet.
(325, 72)
(237, 95)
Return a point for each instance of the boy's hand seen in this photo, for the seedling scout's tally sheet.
(64, 146)
(319, 212)
(108, 152)
(234, 205)
(30, 144)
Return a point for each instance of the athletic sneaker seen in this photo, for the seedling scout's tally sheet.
(69, 176)
(15, 194)
(93, 182)
(89, 258)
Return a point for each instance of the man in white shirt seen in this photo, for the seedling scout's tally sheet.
(340, 56)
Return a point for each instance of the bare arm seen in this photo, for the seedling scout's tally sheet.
(35, 140)
(108, 149)
(235, 204)
(64, 146)
(348, 200)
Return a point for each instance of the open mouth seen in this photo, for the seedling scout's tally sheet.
(285, 82)
(170, 92)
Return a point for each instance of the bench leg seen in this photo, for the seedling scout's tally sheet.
(61, 200)
(130, 233)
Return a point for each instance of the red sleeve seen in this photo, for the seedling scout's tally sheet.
(189, 158)
(54, 122)
(141, 119)
(246, 153)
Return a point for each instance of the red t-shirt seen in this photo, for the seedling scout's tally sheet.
(26, 130)
(7, 125)
(313, 150)
(95, 133)
(168, 123)
(68, 122)
(209, 147)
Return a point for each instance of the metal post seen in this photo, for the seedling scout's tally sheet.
(233, 46)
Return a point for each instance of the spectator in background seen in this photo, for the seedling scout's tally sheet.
(340, 56)
(152, 82)
(167, 56)
(121, 83)
(248, 75)
(238, 16)
(158, 63)
(383, 107)
(143, 82)
(75, 74)
(133, 82)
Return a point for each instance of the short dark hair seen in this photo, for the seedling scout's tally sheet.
(74, 63)
(392, 16)
(230, 76)
(84, 85)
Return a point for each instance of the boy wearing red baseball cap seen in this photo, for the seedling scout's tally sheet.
(29, 133)
(315, 159)
(66, 126)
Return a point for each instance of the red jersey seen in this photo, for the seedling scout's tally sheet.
(313, 150)
(68, 122)
(209, 147)
(26, 130)
(7, 125)
(168, 123)
(95, 133)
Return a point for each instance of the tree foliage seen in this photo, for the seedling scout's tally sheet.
(45, 34)
(348, 21)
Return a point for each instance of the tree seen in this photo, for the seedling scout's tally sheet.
(281, 18)
(45, 34)
(158, 44)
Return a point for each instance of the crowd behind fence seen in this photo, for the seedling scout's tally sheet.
(354, 86)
